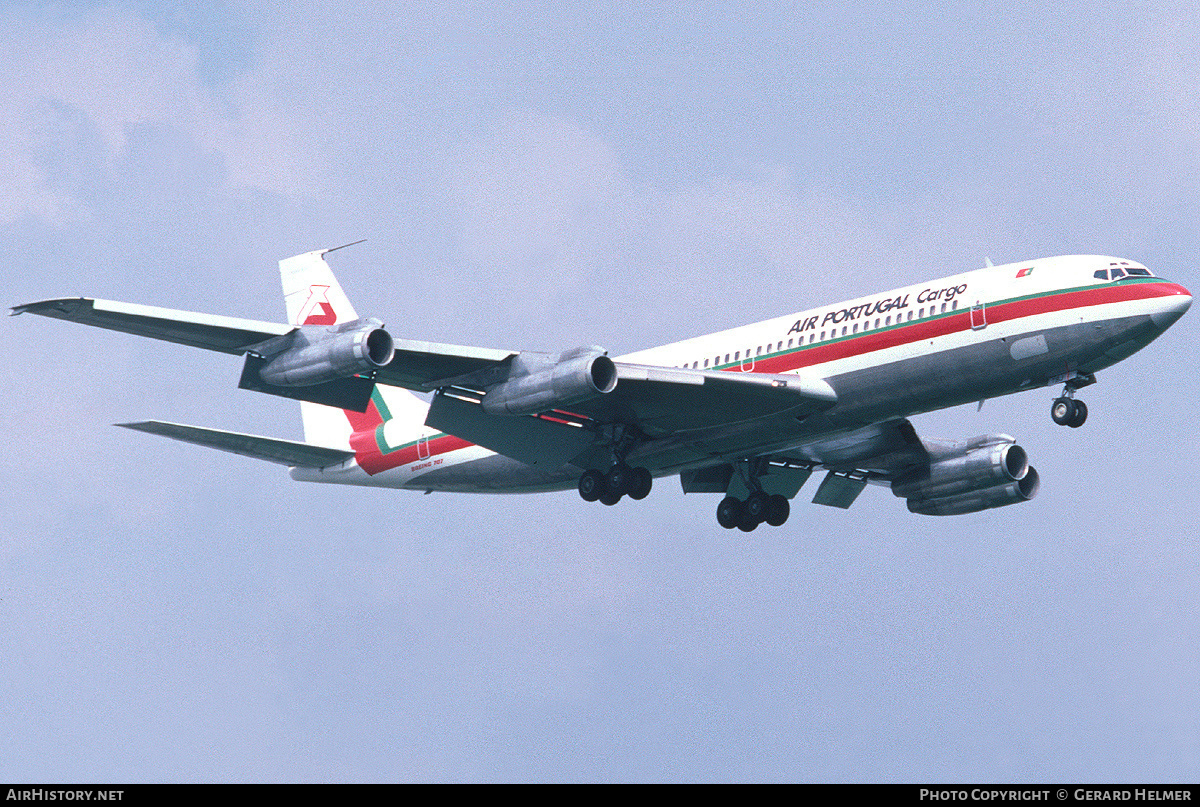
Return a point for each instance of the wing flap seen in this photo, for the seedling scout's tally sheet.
(532, 440)
(208, 331)
(837, 490)
(281, 452)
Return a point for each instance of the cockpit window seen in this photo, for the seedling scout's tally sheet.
(1101, 274)
(1137, 270)
(1118, 273)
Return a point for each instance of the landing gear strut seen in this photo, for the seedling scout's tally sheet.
(1066, 411)
(758, 508)
(621, 480)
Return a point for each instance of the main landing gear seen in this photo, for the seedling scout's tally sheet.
(757, 509)
(621, 480)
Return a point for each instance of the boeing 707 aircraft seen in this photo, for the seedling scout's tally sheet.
(750, 412)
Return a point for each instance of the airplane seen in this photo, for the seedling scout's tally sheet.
(750, 412)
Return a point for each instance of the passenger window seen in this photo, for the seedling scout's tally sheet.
(921, 313)
(910, 316)
(954, 305)
(843, 330)
(758, 350)
(855, 328)
(887, 321)
(876, 322)
(727, 358)
(943, 308)
(780, 345)
(706, 363)
(789, 343)
(736, 356)
(822, 336)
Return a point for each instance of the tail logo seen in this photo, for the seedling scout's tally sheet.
(316, 309)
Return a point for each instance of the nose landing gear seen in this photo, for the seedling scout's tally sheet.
(1066, 411)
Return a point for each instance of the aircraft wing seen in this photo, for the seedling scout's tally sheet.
(208, 331)
(656, 401)
(426, 366)
(417, 365)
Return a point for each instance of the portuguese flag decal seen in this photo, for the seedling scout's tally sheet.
(1026, 272)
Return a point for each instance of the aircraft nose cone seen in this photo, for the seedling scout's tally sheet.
(1176, 301)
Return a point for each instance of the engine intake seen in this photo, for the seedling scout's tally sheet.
(318, 354)
(538, 382)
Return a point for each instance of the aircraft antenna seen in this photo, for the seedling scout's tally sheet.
(343, 246)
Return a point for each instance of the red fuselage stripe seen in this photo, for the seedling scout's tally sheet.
(945, 324)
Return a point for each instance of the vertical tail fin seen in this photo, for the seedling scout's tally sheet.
(311, 292)
(313, 296)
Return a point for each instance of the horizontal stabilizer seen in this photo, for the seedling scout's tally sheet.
(281, 452)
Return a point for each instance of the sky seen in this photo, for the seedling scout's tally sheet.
(536, 176)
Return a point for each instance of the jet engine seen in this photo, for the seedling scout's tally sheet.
(313, 355)
(989, 471)
(1021, 490)
(537, 382)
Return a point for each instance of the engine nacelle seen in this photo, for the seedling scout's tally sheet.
(538, 382)
(1021, 490)
(982, 463)
(319, 354)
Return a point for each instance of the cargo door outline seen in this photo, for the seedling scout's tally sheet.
(748, 358)
(978, 316)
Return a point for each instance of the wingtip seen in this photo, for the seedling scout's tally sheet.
(64, 305)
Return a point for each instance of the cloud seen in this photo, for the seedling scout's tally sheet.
(78, 84)
(544, 207)
(75, 84)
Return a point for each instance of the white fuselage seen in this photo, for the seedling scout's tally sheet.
(927, 346)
